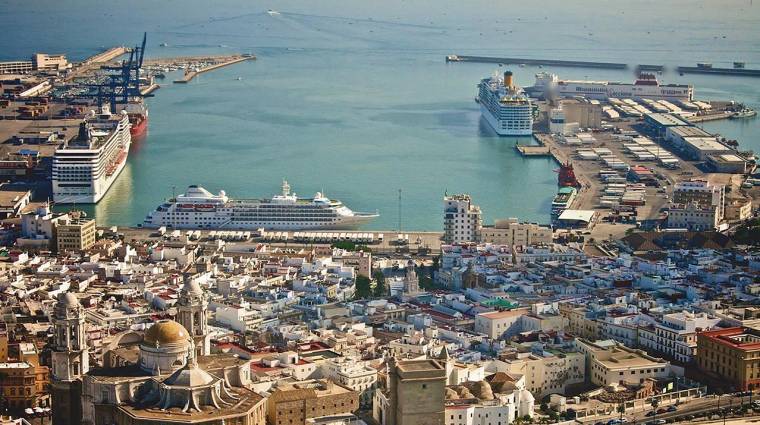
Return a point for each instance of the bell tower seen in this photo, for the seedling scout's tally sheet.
(70, 358)
(192, 310)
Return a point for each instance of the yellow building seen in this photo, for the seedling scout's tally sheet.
(24, 385)
(296, 402)
(731, 356)
(75, 235)
(511, 232)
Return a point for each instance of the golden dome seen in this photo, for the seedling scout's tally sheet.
(166, 332)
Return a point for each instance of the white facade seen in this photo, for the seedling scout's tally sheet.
(702, 193)
(693, 217)
(497, 324)
(545, 373)
(609, 363)
(676, 336)
(86, 167)
(198, 208)
(505, 107)
(352, 374)
(461, 219)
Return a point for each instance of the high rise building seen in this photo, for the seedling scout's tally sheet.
(461, 219)
(76, 234)
(70, 358)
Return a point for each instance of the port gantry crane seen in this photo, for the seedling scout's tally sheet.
(123, 81)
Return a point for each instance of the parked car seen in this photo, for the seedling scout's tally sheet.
(651, 413)
(672, 409)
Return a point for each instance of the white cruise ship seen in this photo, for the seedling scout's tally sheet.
(505, 106)
(84, 168)
(198, 208)
(645, 87)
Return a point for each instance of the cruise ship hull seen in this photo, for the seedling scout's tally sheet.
(496, 125)
(94, 198)
(344, 223)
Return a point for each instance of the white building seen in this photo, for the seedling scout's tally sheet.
(676, 336)
(609, 363)
(702, 193)
(511, 232)
(496, 324)
(461, 219)
(238, 318)
(354, 374)
(693, 217)
(545, 372)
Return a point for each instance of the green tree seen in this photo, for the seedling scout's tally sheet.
(379, 283)
(363, 289)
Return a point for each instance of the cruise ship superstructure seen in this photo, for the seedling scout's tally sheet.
(198, 208)
(646, 86)
(505, 106)
(85, 167)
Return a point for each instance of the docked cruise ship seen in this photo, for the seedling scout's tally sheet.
(198, 208)
(85, 167)
(645, 87)
(505, 106)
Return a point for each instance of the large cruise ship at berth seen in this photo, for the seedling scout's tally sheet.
(505, 106)
(645, 87)
(85, 167)
(198, 208)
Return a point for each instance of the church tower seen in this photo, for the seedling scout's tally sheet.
(412, 281)
(192, 310)
(70, 358)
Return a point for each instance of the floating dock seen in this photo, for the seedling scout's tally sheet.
(552, 62)
(526, 150)
(719, 71)
(192, 74)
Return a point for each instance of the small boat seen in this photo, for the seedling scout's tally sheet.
(272, 12)
(239, 78)
(744, 113)
(164, 44)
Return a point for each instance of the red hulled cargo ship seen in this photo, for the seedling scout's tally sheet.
(138, 118)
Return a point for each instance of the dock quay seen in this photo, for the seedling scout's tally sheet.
(554, 62)
(526, 150)
(710, 117)
(189, 75)
(379, 241)
(106, 56)
(150, 89)
(719, 71)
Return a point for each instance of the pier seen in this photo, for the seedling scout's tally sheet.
(719, 71)
(710, 117)
(189, 75)
(526, 150)
(106, 56)
(554, 62)
(150, 89)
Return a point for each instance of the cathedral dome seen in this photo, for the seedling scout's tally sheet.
(192, 287)
(166, 332)
(68, 300)
(189, 376)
